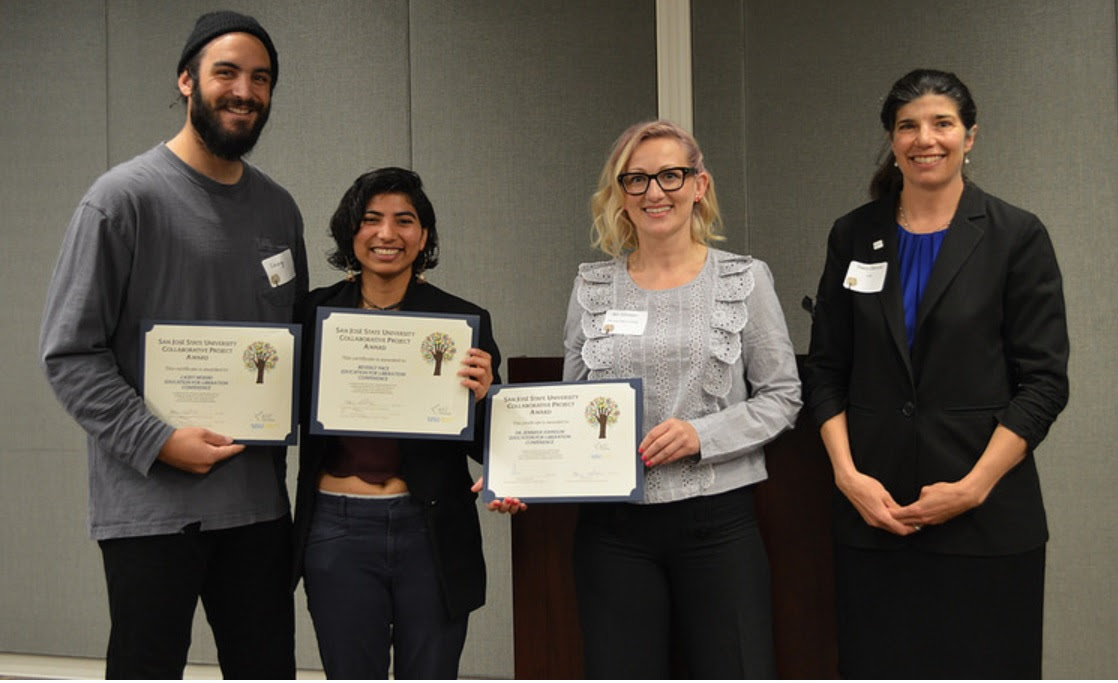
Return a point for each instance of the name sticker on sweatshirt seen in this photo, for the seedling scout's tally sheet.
(280, 268)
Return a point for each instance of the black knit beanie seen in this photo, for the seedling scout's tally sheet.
(214, 24)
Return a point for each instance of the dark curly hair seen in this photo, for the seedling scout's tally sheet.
(351, 210)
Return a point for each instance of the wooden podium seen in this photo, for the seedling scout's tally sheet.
(794, 510)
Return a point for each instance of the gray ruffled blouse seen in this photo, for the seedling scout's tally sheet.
(714, 352)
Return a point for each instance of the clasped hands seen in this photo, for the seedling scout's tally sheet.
(937, 503)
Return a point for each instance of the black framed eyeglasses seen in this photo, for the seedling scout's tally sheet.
(669, 180)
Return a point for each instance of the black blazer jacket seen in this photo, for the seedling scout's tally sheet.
(990, 346)
(435, 470)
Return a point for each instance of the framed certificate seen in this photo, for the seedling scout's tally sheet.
(236, 379)
(391, 373)
(565, 442)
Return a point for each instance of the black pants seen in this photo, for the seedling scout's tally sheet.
(906, 614)
(373, 588)
(242, 576)
(691, 576)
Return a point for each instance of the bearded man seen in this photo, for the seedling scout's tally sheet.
(187, 231)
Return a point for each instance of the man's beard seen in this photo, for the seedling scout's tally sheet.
(223, 143)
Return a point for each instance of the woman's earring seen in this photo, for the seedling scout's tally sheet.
(966, 158)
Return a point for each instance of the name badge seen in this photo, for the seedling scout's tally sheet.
(625, 322)
(280, 268)
(866, 278)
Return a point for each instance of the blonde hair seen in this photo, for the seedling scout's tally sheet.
(612, 231)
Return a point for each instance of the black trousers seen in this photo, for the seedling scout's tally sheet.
(906, 614)
(373, 588)
(242, 576)
(690, 576)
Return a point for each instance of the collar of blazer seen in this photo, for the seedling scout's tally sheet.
(963, 236)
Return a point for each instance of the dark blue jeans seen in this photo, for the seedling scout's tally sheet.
(243, 578)
(690, 576)
(372, 586)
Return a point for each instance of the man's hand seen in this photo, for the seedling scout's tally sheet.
(197, 450)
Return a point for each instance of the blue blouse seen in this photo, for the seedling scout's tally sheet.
(917, 254)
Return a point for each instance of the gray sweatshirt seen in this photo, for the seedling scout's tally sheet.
(154, 239)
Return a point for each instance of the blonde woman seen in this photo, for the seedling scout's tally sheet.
(686, 564)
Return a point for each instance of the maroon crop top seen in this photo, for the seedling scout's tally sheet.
(373, 460)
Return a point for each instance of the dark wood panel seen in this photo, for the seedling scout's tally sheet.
(548, 642)
(794, 510)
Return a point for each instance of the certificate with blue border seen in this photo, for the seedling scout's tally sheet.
(392, 374)
(565, 442)
(237, 379)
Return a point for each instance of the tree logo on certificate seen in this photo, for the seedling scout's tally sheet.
(602, 411)
(260, 356)
(437, 347)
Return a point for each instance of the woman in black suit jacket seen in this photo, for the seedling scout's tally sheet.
(387, 538)
(938, 362)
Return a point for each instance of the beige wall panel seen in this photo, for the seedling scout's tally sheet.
(718, 63)
(52, 145)
(516, 105)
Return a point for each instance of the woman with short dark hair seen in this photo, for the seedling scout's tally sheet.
(387, 538)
